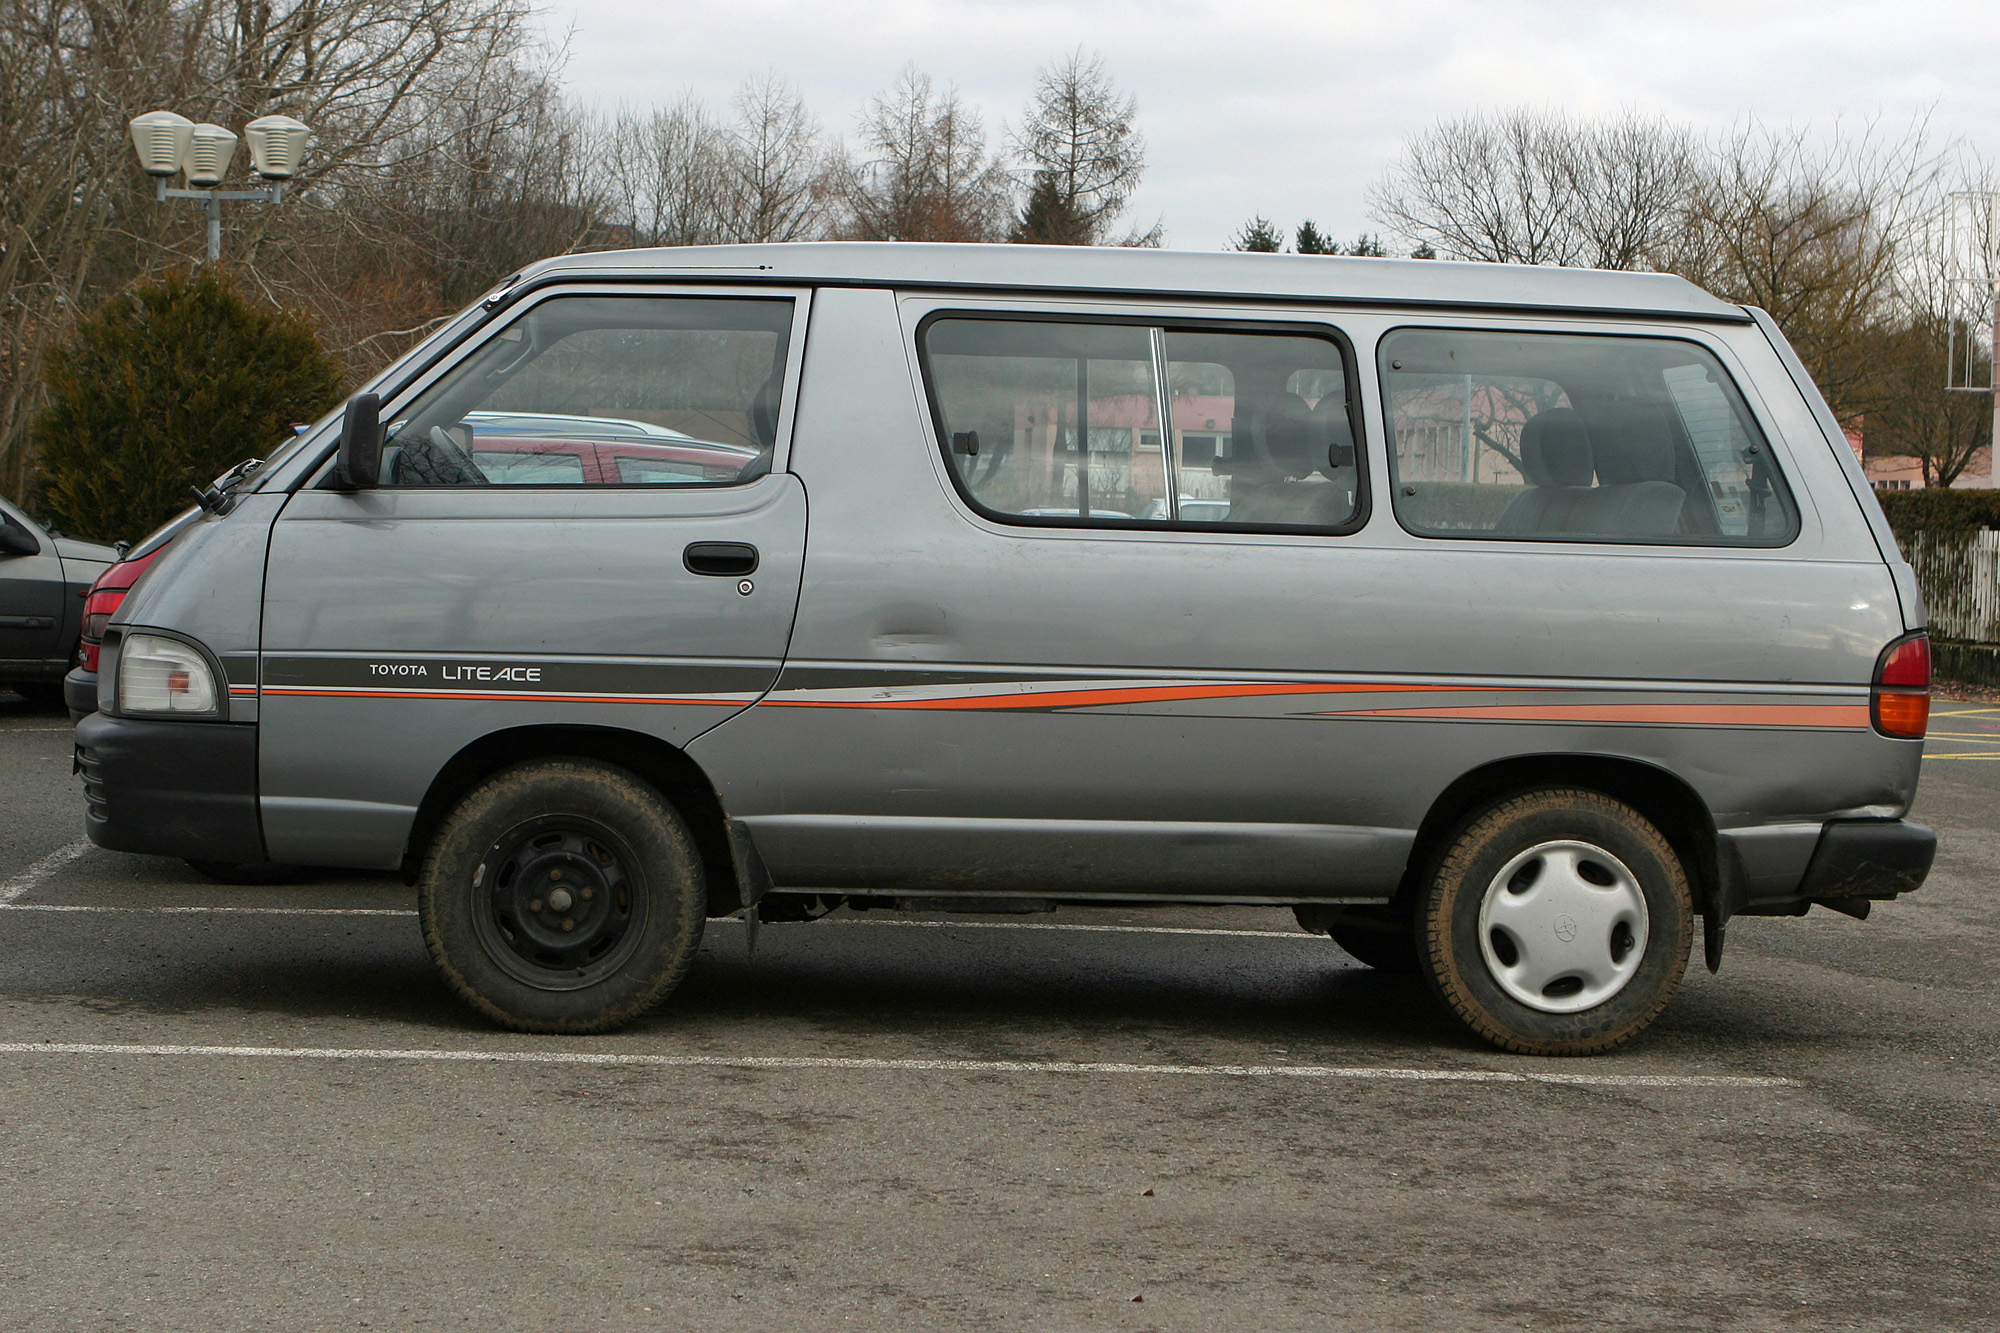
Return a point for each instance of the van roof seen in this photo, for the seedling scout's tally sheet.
(1145, 272)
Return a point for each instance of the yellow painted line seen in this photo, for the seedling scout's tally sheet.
(1995, 755)
(1966, 712)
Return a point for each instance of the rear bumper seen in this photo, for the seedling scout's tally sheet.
(1782, 870)
(80, 693)
(171, 788)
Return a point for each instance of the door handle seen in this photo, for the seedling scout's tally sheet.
(48, 622)
(722, 559)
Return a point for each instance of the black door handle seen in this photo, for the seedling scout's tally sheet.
(723, 559)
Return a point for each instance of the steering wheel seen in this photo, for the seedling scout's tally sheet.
(449, 452)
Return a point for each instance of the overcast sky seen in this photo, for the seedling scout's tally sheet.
(1292, 108)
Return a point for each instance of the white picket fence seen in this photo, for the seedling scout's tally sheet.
(1961, 583)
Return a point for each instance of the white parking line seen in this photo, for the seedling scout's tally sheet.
(1363, 1072)
(41, 870)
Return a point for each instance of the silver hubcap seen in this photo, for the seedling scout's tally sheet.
(1563, 927)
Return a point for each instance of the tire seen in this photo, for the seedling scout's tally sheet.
(249, 872)
(1383, 938)
(557, 841)
(1557, 922)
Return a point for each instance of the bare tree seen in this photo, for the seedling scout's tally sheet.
(1080, 152)
(668, 175)
(1526, 187)
(77, 220)
(928, 176)
(1826, 235)
(782, 172)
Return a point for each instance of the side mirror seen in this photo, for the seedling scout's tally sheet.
(16, 540)
(360, 465)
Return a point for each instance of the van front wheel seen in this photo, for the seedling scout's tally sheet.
(1557, 923)
(563, 895)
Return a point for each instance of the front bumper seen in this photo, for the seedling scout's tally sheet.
(171, 788)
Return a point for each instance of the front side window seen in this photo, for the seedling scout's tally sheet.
(1059, 421)
(604, 391)
(1570, 437)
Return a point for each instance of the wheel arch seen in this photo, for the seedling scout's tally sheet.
(1662, 796)
(677, 776)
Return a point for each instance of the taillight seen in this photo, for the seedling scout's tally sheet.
(97, 609)
(1900, 701)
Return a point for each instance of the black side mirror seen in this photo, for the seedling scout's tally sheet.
(360, 464)
(16, 540)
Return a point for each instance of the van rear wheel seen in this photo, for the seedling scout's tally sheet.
(563, 895)
(1557, 923)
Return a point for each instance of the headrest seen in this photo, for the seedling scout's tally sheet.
(1332, 439)
(1556, 449)
(764, 409)
(1273, 435)
(1633, 442)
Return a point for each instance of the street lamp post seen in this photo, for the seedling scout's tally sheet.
(171, 145)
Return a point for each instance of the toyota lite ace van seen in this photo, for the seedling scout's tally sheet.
(1503, 622)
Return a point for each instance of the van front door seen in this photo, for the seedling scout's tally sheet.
(583, 521)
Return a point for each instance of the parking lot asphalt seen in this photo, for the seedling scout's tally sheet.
(254, 1108)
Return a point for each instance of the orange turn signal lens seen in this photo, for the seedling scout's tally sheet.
(1903, 714)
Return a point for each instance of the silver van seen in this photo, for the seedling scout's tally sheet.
(1504, 622)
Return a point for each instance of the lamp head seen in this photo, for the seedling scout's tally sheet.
(161, 139)
(210, 147)
(277, 146)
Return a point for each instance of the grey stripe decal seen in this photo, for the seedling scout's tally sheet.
(474, 673)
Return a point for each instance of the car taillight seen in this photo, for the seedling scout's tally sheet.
(97, 609)
(1900, 701)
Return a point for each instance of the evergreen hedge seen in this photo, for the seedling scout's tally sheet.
(1938, 512)
(163, 388)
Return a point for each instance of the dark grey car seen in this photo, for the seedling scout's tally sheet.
(1507, 623)
(43, 579)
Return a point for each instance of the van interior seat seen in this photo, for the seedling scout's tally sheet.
(1632, 444)
(1556, 460)
(1627, 448)
(1275, 459)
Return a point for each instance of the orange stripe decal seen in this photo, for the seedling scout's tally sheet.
(1696, 715)
(1128, 694)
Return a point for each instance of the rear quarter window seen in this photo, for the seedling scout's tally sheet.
(1576, 437)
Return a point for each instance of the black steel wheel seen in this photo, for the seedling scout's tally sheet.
(563, 895)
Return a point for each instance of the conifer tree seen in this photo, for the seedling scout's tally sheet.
(1310, 242)
(162, 389)
(1260, 236)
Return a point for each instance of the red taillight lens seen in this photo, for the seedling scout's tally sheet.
(97, 609)
(1901, 699)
